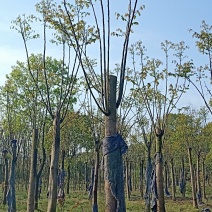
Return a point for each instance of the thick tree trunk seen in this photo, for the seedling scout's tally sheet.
(55, 152)
(192, 178)
(173, 181)
(113, 162)
(33, 173)
(159, 171)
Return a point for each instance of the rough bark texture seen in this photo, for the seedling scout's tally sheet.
(33, 173)
(113, 162)
(159, 171)
(110, 129)
(192, 179)
(55, 152)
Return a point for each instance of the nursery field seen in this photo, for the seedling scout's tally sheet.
(78, 202)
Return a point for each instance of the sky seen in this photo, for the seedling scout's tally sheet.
(160, 20)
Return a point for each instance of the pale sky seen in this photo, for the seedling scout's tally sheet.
(160, 20)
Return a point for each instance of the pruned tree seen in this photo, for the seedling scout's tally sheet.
(67, 18)
(159, 89)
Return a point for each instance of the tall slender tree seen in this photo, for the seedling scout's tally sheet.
(55, 83)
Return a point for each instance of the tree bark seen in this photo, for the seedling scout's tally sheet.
(199, 190)
(33, 173)
(192, 179)
(147, 195)
(6, 176)
(159, 171)
(68, 178)
(113, 162)
(203, 179)
(141, 178)
(39, 183)
(127, 178)
(183, 180)
(166, 176)
(11, 198)
(173, 181)
(96, 178)
(55, 152)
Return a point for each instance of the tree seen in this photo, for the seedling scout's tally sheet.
(198, 77)
(154, 87)
(55, 84)
(67, 18)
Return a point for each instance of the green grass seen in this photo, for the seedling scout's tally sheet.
(78, 202)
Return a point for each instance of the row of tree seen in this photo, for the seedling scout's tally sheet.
(78, 87)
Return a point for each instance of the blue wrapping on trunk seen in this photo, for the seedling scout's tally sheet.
(115, 174)
(111, 143)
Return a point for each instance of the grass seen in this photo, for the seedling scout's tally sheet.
(78, 202)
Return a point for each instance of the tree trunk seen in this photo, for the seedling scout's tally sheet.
(173, 181)
(183, 180)
(127, 178)
(166, 178)
(68, 179)
(203, 179)
(39, 183)
(11, 199)
(159, 171)
(148, 180)
(100, 180)
(199, 190)
(6, 176)
(55, 152)
(130, 177)
(33, 173)
(113, 162)
(141, 178)
(1, 177)
(192, 178)
(86, 176)
(96, 177)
